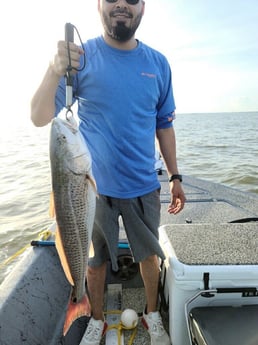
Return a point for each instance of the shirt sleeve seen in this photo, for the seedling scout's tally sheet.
(166, 106)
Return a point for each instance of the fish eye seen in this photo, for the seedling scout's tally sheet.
(61, 138)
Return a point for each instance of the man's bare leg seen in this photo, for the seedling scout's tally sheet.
(96, 277)
(150, 275)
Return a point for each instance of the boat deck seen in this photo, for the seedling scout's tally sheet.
(34, 296)
(206, 204)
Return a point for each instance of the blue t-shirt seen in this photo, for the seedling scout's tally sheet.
(123, 97)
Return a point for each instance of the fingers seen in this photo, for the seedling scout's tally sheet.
(62, 59)
(73, 54)
(176, 207)
(177, 204)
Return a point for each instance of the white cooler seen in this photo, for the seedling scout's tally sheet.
(207, 256)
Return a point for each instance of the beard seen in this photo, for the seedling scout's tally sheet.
(120, 31)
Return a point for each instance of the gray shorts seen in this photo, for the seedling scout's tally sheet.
(141, 218)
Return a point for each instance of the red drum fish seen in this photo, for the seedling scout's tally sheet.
(74, 197)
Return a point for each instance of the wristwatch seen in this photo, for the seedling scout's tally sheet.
(175, 177)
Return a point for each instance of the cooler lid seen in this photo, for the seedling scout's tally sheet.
(214, 244)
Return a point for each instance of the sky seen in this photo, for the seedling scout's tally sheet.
(212, 47)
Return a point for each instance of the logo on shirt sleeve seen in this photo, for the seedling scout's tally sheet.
(171, 116)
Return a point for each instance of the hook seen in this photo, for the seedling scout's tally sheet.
(68, 112)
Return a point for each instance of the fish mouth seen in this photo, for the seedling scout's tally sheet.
(80, 155)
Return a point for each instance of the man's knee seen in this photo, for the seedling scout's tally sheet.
(96, 270)
(152, 259)
(150, 263)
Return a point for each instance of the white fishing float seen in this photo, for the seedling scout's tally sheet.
(129, 318)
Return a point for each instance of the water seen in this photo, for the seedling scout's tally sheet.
(218, 147)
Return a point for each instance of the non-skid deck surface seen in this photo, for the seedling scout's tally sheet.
(215, 244)
(135, 299)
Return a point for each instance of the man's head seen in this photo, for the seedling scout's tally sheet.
(121, 18)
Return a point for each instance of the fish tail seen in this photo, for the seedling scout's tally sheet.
(76, 310)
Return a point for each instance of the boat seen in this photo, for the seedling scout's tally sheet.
(211, 262)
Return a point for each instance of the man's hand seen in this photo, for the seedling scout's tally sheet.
(61, 59)
(177, 197)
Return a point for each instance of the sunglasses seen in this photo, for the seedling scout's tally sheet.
(130, 2)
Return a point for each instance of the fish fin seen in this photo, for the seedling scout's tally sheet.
(92, 182)
(91, 251)
(62, 256)
(76, 310)
(52, 212)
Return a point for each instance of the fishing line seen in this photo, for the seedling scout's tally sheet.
(119, 327)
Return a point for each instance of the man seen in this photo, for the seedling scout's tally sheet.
(124, 99)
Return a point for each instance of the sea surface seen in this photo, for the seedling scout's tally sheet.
(219, 147)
